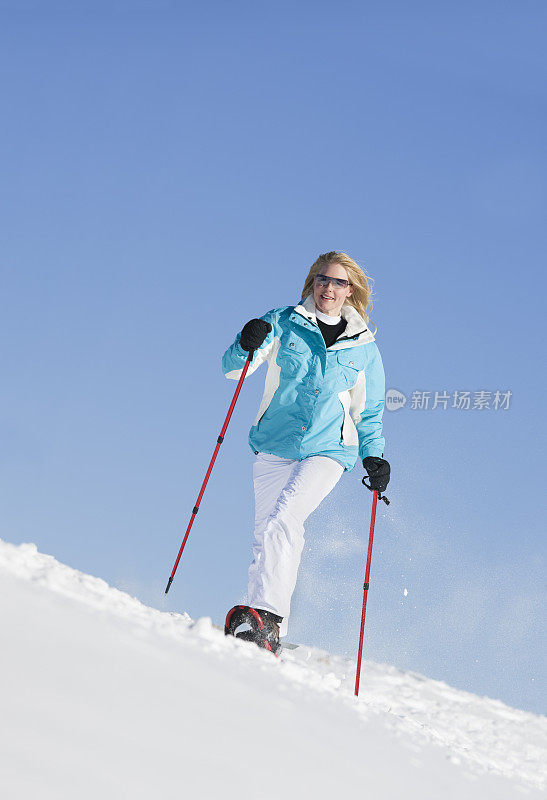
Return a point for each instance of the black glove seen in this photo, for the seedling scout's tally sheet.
(254, 333)
(378, 472)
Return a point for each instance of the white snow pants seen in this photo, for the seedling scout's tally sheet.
(286, 493)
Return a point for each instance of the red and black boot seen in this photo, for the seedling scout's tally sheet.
(254, 625)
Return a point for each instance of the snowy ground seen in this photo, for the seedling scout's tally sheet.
(102, 697)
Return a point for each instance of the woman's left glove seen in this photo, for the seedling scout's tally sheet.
(379, 471)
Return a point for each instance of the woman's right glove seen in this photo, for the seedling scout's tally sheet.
(253, 334)
(378, 470)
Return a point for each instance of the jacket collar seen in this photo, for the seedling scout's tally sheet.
(356, 327)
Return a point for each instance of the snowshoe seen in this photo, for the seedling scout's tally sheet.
(254, 625)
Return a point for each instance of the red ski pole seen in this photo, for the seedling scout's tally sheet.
(211, 464)
(375, 496)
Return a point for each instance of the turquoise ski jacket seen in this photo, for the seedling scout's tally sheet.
(317, 400)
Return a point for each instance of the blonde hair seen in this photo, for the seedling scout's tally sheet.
(361, 297)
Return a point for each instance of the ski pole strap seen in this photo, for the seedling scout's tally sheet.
(380, 495)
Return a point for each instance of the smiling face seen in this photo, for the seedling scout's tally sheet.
(330, 299)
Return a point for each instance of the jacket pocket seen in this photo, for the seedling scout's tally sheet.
(349, 365)
(293, 353)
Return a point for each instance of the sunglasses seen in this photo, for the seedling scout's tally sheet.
(338, 283)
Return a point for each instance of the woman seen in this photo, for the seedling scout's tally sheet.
(322, 408)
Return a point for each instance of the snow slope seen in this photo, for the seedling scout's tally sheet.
(102, 697)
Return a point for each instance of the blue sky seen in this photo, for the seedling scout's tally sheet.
(170, 171)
